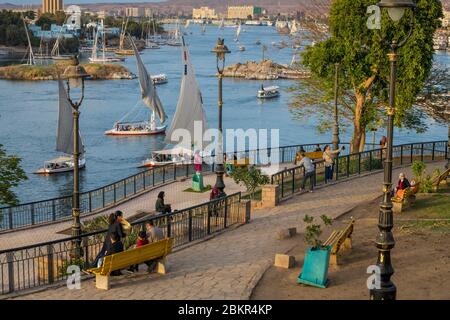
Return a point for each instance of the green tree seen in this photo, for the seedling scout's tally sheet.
(250, 176)
(364, 78)
(47, 19)
(11, 174)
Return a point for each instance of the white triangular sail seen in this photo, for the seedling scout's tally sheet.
(190, 104)
(64, 136)
(238, 32)
(222, 24)
(188, 22)
(148, 90)
(294, 28)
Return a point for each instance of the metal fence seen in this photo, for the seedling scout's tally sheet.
(57, 209)
(290, 180)
(45, 263)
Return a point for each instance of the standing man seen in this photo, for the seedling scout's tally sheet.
(310, 171)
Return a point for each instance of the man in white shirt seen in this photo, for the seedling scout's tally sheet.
(310, 171)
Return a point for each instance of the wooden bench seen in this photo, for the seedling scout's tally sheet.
(241, 162)
(438, 180)
(316, 155)
(338, 239)
(404, 199)
(122, 260)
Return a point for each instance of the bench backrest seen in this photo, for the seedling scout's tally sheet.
(241, 162)
(314, 155)
(134, 256)
(344, 234)
(437, 181)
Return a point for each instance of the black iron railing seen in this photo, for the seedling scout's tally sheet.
(57, 209)
(45, 263)
(290, 180)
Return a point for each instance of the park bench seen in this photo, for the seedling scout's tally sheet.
(338, 239)
(438, 180)
(316, 155)
(404, 199)
(122, 260)
(241, 162)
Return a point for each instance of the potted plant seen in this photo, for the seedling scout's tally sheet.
(317, 258)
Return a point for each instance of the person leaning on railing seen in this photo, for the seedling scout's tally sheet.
(328, 158)
(310, 171)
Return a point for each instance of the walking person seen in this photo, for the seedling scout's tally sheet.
(328, 157)
(310, 171)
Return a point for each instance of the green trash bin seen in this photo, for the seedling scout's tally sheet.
(197, 182)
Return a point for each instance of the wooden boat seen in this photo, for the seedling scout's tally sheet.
(159, 79)
(189, 115)
(64, 139)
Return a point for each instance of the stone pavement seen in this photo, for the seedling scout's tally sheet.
(230, 265)
(146, 201)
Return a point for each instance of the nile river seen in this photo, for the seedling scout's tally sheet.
(28, 112)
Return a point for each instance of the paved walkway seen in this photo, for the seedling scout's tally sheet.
(146, 201)
(230, 265)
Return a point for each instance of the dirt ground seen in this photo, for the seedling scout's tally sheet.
(421, 260)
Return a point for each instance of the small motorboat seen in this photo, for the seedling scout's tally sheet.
(241, 48)
(258, 42)
(268, 92)
(60, 164)
(159, 79)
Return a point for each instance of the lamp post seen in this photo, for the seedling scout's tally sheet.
(220, 50)
(385, 239)
(74, 75)
(336, 140)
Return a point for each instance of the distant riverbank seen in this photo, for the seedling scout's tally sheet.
(51, 72)
(264, 70)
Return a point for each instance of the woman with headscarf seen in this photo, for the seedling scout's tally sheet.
(160, 206)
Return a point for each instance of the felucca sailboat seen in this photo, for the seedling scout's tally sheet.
(189, 111)
(64, 139)
(151, 100)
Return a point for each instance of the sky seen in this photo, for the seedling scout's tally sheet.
(22, 2)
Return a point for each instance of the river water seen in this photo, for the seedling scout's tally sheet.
(28, 112)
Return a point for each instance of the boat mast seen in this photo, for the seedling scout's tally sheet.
(30, 61)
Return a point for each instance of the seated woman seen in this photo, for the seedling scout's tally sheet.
(403, 183)
(160, 206)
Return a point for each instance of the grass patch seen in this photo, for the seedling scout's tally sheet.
(432, 207)
(205, 189)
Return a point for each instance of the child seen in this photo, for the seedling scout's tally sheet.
(142, 241)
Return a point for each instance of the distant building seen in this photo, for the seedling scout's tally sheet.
(148, 12)
(52, 6)
(134, 12)
(446, 19)
(244, 12)
(55, 31)
(204, 13)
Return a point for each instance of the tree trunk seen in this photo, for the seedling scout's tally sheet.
(358, 130)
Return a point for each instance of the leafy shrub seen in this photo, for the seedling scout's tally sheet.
(251, 177)
(313, 231)
(62, 270)
(418, 169)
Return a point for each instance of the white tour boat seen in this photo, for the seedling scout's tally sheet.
(151, 100)
(177, 156)
(60, 164)
(268, 92)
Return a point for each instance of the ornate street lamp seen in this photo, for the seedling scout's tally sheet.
(385, 239)
(335, 142)
(75, 74)
(220, 50)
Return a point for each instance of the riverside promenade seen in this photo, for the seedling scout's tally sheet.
(229, 265)
(174, 195)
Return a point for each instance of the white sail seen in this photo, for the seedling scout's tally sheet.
(238, 31)
(64, 137)
(190, 103)
(148, 90)
(294, 28)
(222, 24)
(188, 22)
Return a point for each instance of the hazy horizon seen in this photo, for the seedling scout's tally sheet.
(34, 2)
